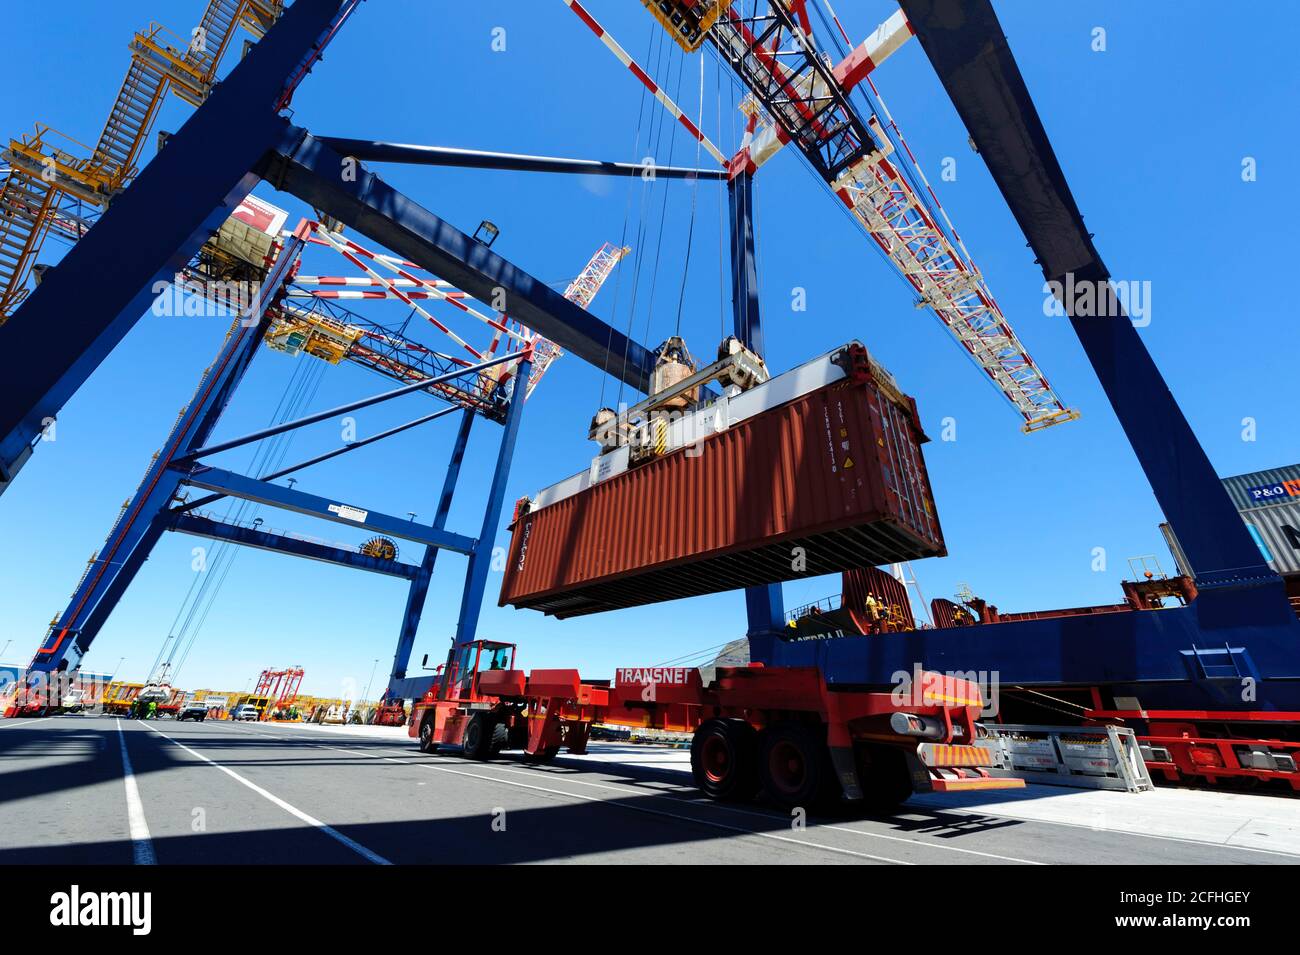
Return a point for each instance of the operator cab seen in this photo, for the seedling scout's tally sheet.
(466, 660)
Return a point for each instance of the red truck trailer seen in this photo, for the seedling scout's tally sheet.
(776, 730)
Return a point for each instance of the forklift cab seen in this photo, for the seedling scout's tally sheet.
(466, 660)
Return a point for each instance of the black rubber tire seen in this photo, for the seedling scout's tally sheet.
(794, 766)
(884, 777)
(500, 737)
(724, 760)
(542, 758)
(427, 745)
(517, 735)
(477, 741)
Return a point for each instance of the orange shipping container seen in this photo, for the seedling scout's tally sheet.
(828, 481)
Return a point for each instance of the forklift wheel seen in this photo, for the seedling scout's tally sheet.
(477, 741)
(543, 757)
(427, 745)
(517, 735)
(500, 737)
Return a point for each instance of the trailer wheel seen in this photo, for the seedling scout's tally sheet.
(477, 741)
(795, 766)
(724, 756)
(882, 771)
(427, 745)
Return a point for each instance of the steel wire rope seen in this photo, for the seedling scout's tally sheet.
(627, 215)
(654, 138)
(695, 192)
(663, 205)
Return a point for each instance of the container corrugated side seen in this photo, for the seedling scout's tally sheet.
(827, 482)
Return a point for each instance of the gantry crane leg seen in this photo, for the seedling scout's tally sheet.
(420, 584)
(764, 606)
(144, 517)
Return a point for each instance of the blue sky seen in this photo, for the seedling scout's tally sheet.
(1151, 132)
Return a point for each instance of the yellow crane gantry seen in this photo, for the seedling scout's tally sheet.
(46, 165)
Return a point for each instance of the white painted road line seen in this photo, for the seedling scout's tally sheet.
(19, 722)
(294, 811)
(803, 843)
(820, 825)
(141, 843)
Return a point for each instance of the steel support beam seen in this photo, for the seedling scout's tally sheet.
(1237, 646)
(365, 150)
(420, 582)
(309, 169)
(199, 526)
(87, 303)
(764, 606)
(746, 317)
(480, 561)
(291, 499)
(969, 51)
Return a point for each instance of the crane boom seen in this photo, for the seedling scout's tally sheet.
(804, 98)
(807, 102)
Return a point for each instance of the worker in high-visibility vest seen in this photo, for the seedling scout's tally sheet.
(873, 611)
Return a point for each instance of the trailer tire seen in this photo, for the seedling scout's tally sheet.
(427, 745)
(724, 760)
(883, 775)
(477, 741)
(795, 766)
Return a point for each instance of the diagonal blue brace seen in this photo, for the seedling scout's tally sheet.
(309, 169)
(334, 412)
(312, 505)
(87, 303)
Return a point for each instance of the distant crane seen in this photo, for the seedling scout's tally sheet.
(47, 178)
(389, 352)
(279, 687)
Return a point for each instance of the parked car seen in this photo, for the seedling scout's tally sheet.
(193, 710)
(245, 711)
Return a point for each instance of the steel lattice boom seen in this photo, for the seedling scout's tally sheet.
(806, 101)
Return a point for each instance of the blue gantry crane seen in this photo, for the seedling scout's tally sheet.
(1235, 648)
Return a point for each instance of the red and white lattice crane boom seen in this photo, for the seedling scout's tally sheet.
(798, 94)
